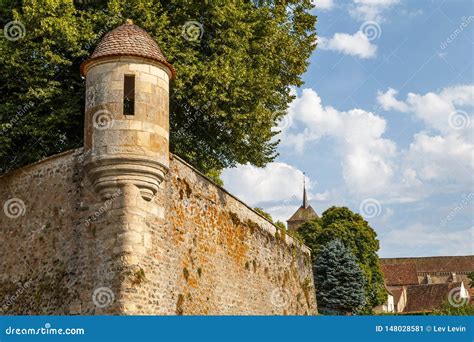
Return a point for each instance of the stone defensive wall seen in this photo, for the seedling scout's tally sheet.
(191, 249)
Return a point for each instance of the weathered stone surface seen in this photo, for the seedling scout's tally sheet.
(123, 227)
(193, 249)
(119, 143)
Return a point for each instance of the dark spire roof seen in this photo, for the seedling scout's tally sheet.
(305, 199)
(127, 40)
(305, 212)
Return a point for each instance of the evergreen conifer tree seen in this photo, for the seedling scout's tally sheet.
(340, 283)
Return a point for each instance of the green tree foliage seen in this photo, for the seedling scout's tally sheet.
(280, 225)
(263, 213)
(232, 85)
(449, 310)
(470, 276)
(339, 280)
(215, 176)
(269, 217)
(341, 223)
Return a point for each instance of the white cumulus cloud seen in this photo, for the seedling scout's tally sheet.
(423, 240)
(433, 108)
(323, 4)
(443, 152)
(439, 158)
(389, 102)
(357, 44)
(276, 182)
(364, 10)
(366, 157)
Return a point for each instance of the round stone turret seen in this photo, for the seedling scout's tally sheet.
(127, 112)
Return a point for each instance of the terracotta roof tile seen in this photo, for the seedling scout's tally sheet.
(396, 293)
(128, 40)
(428, 297)
(454, 264)
(400, 274)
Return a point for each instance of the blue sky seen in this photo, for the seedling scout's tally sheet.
(383, 125)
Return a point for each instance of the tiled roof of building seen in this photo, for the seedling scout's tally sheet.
(400, 274)
(454, 264)
(396, 293)
(128, 40)
(428, 297)
(303, 214)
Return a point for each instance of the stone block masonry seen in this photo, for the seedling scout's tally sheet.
(193, 249)
(124, 227)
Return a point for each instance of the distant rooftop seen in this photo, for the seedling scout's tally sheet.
(428, 297)
(304, 213)
(400, 274)
(437, 264)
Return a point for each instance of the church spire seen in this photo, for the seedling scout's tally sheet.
(305, 199)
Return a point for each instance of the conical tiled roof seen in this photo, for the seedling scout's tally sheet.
(127, 40)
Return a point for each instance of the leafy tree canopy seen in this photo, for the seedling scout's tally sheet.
(467, 309)
(232, 85)
(355, 233)
(280, 225)
(263, 213)
(269, 217)
(339, 280)
(470, 276)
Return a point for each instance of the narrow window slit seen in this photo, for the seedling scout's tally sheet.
(129, 95)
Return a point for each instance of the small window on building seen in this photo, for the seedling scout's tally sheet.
(129, 95)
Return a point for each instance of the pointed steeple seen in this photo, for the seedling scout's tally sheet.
(305, 199)
(304, 213)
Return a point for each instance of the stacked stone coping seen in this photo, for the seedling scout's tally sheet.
(44, 160)
(267, 226)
